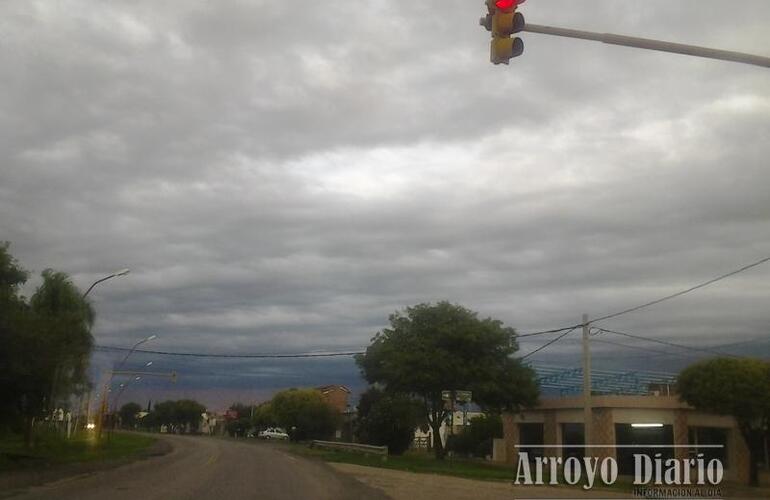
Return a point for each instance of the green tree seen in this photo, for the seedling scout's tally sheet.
(128, 414)
(304, 414)
(46, 345)
(432, 348)
(64, 320)
(264, 416)
(387, 420)
(16, 387)
(731, 386)
(179, 415)
(163, 413)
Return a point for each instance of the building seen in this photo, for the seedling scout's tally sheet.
(335, 396)
(620, 420)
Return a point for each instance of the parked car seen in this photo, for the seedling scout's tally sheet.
(273, 433)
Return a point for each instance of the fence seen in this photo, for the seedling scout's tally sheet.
(355, 447)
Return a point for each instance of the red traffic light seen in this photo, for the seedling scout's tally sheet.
(508, 4)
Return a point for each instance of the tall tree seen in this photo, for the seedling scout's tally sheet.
(731, 386)
(64, 321)
(432, 348)
(14, 367)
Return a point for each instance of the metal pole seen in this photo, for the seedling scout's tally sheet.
(587, 410)
(122, 272)
(646, 43)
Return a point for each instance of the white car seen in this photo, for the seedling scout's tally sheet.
(273, 433)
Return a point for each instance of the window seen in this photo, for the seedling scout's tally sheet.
(573, 439)
(626, 434)
(709, 436)
(531, 440)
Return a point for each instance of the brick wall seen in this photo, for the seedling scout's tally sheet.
(335, 396)
(681, 436)
(603, 427)
(738, 461)
(511, 437)
(550, 434)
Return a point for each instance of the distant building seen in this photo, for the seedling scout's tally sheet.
(212, 424)
(335, 396)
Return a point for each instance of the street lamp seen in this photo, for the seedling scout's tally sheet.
(123, 388)
(108, 385)
(125, 385)
(131, 351)
(122, 272)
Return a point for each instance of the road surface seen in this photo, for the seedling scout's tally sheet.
(203, 467)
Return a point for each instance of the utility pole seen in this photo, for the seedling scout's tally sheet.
(587, 409)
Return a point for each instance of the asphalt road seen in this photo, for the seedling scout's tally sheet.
(202, 467)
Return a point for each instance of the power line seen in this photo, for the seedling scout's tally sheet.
(543, 332)
(647, 349)
(242, 356)
(678, 294)
(550, 342)
(672, 344)
(566, 330)
(647, 304)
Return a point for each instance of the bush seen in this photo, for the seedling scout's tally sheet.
(387, 420)
(304, 414)
(476, 439)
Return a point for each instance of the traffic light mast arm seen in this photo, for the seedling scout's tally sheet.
(646, 43)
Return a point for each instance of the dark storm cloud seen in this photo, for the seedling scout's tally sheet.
(281, 179)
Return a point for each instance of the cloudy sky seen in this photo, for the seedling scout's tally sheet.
(281, 176)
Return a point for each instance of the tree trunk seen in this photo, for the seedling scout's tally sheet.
(753, 467)
(438, 446)
(748, 436)
(29, 423)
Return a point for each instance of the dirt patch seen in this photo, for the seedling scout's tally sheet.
(13, 481)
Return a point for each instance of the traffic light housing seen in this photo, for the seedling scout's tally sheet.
(503, 21)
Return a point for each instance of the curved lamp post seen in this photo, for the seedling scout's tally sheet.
(122, 272)
(107, 386)
(124, 386)
(129, 353)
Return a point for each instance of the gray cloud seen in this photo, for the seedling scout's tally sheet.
(281, 179)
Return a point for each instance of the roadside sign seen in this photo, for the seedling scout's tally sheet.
(463, 396)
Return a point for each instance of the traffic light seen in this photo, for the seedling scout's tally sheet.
(503, 21)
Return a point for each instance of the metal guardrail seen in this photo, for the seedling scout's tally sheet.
(356, 447)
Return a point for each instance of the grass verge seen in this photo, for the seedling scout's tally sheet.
(50, 450)
(411, 462)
